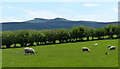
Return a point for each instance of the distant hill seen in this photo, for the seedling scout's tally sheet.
(57, 23)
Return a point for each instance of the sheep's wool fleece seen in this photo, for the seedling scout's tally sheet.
(29, 49)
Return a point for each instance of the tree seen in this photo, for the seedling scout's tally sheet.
(110, 30)
(88, 31)
(7, 38)
(32, 35)
(40, 37)
(117, 31)
(62, 35)
(50, 35)
(99, 32)
(77, 32)
(22, 37)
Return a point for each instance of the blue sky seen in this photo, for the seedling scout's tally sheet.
(92, 11)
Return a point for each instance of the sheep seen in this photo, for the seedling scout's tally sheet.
(96, 44)
(85, 49)
(108, 46)
(28, 50)
(112, 48)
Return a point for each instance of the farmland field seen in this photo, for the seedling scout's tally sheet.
(0, 58)
(64, 55)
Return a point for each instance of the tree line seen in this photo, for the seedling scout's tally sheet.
(33, 37)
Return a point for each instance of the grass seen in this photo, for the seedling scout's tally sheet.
(0, 58)
(64, 55)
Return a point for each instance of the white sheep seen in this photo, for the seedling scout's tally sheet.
(96, 44)
(28, 50)
(85, 49)
(112, 48)
(108, 46)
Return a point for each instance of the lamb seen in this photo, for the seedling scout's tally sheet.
(112, 48)
(28, 50)
(109, 46)
(96, 44)
(85, 49)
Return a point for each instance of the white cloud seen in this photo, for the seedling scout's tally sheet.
(59, 0)
(115, 9)
(88, 16)
(90, 5)
(30, 14)
(10, 7)
(11, 20)
(42, 14)
(96, 17)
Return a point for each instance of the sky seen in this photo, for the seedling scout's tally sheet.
(77, 10)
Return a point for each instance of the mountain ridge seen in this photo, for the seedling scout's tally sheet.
(55, 19)
(56, 23)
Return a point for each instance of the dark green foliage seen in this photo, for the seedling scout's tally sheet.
(89, 31)
(40, 37)
(77, 32)
(7, 38)
(22, 37)
(33, 37)
(110, 30)
(62, 35)
(117, 31)
(99, 32)
(50, 35)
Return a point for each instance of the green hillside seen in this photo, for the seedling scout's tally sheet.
(64, 55)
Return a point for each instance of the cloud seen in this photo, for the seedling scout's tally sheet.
(42, 14)
(96, 17)
(59, 0)
(30, 14)
(115, 9)
(90, 5)
(88, 16)
(10, 7)
(11, 20)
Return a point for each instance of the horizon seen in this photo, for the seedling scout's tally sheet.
(76, 11)
(60, 17)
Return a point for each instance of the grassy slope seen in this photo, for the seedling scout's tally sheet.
(64, 55)
(0, 58)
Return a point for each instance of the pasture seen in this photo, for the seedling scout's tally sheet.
(0, 58)
(64, 55)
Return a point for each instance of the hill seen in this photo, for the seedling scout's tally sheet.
(57, 23)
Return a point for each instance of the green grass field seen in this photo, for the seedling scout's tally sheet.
(64, 55)
(0, 58)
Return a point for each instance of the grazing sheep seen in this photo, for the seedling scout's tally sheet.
(96, 44)
(112, 48)
(85, 49)
(28, 50)
(109, 46)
